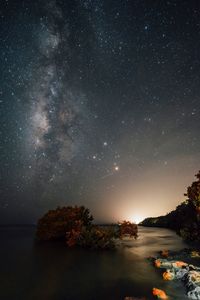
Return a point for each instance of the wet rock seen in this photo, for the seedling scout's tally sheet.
(164, 253)
(164, 263)
(194, 294)
(183, 254)
(189, 274)
(159, 293)
(195, 254)
(179, 264)
(168, 275)
(192, 283)
(171, 274)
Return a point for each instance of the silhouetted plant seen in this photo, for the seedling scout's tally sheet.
(128, 228)
(97, 238)
(185, 219)
(74, 225)
(191, 228)
(56, 223)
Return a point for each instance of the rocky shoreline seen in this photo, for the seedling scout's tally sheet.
(183, 265)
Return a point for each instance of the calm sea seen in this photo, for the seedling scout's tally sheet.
(31, 271)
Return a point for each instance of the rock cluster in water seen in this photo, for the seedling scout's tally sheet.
(187, 273)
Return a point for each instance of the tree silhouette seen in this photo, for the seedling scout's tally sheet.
(185, 219)
(128, 228)
(55, 224)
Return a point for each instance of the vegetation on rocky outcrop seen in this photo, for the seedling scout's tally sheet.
(128, 228)
(185, 219)
(55, 224)
(96, 237)
(74, 226)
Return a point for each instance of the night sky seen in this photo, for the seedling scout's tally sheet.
(100, 106)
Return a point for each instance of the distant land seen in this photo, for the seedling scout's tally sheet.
(185, 219)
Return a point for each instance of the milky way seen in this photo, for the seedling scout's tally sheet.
(57, 114)
(99, 106)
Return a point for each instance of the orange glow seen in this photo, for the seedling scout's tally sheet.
(179, 264)
(157, 263)
(159, 293)
(168, 276)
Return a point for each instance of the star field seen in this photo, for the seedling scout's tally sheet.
(99, 105)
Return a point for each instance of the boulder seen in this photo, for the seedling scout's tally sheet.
(164, 253)
(168, 275)
(169, 264)
(189, 274)
(195, 254)
(192, 283)
(159, 293)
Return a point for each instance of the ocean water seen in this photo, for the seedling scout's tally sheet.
(51, 271)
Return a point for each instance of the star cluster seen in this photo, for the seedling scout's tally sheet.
(99, 104)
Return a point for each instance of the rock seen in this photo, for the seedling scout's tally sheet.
(164, 253)
(194, 294)
(168, 275)
(179, 264)
(172, 274)
(162, 263)
(180, 273)
(159, 293)
(194, 276)
(167, 264)
(195, 254)
(192, 282)
(189, 274)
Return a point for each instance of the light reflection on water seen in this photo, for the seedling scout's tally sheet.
(53, 272)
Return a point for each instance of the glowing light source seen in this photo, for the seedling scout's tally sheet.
(137, 219)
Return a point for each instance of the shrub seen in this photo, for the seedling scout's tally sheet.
(74, 225)
(56, 223)
(93, 237)
(128, 228)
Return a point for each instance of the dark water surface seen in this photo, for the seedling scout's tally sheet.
(51, 271)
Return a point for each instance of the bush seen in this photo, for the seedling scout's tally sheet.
(56, 223)
(74, 226)
(96, 238)
(128, 228)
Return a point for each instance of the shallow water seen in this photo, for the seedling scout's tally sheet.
(52, 272)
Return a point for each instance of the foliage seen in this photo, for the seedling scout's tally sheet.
(97, 238)
(128, 228)
(55, 223)
(74, 225)
(185, 219)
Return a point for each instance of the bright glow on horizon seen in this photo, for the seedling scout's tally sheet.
(137, 219)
